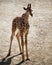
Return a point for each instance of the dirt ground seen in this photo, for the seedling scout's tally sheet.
(40, 33)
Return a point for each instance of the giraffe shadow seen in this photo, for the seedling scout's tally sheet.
(7, 60)
(23, 62)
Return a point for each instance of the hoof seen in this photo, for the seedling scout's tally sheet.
(20, 53)
(27, 59)
(23, 59)
(8, 54)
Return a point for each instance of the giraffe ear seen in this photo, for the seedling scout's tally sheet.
(24, 8)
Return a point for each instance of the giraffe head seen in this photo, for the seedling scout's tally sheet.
(28, 9)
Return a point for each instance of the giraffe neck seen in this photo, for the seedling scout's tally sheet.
(25, 16)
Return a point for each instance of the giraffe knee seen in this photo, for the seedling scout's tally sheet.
(12, 37)
(17, 35)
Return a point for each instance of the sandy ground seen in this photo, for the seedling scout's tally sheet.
(40, 33)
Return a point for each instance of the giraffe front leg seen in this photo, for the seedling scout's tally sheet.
(10, 45)
(11, 39)
(22, 43)
(26, 45)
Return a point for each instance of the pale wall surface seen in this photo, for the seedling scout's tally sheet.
(40, 34)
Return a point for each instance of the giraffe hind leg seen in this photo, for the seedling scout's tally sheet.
(11, 39)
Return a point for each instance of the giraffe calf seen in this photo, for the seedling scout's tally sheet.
(22, 24)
